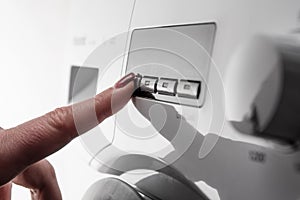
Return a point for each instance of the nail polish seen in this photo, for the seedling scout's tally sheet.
(125, 80)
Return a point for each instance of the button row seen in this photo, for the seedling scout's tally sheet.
(167, 86)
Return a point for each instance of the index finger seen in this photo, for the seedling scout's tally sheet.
(36, 139)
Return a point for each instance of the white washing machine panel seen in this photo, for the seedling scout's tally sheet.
(167, 130)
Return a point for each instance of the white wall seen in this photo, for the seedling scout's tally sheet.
(32, 78)
(32, 39)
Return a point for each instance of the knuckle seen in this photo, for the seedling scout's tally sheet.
(49, 168)
(58, 118)
(39, 175)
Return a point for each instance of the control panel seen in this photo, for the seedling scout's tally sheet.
(157, 87)
(173, 62)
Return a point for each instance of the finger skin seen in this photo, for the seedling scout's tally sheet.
(36, 139)
(5, 192)
(40, 178)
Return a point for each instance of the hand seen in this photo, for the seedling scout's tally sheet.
(40, 178)
(22, 147)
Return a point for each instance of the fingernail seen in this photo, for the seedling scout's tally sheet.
(125, 80)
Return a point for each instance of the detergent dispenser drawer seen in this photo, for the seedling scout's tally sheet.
(173, 62)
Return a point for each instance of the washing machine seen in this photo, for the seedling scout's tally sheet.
(216, 107)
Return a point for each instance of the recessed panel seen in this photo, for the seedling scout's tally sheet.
(173, 54)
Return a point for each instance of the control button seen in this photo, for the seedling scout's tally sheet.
(166, 86)
(148, 84)
(137, 81)
(189, 89)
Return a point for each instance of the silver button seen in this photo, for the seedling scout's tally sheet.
(137, 81)
(148, 84)
(166, 86)
(188, 89)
